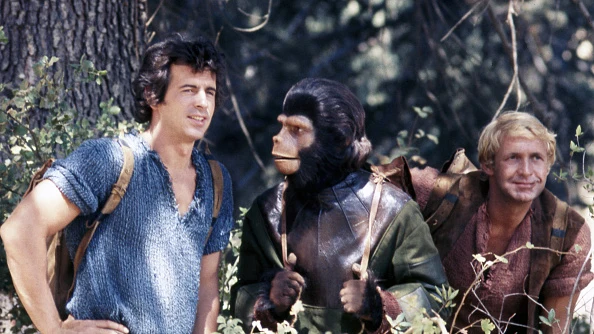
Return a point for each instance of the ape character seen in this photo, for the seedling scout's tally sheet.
(319, 216)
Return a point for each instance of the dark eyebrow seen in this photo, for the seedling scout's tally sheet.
(196, 87)
(296, 121)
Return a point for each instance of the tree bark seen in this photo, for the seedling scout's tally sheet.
(109, 33)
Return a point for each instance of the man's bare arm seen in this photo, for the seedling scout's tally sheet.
(42, 213)
(560, 305)
(208, 303)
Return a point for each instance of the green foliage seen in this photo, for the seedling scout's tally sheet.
(229, 325)
(487, 326)
(398, 325)
(228, 270)
(422, 323)
(87, 71)
(408, 142)
(3, 38)
(446, 297)
(581, 325)
(580, 172)
(550, 319)
(38, 123)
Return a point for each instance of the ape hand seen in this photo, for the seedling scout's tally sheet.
(352, 294)
(286, 287)
(361, 297)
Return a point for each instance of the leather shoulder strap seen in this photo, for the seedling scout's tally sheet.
(117, 193)
(558, 229)
(217, 187)
(119, 188)
(398, 173)
(378, 179)
(217, 182)
(552, 227)
(38, 176)
(442, 199)
(461, 203)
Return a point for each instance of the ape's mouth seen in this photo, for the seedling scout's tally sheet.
(282, 157)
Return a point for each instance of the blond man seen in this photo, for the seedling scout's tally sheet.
(496, 211)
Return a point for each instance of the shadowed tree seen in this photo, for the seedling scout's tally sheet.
(110, 34)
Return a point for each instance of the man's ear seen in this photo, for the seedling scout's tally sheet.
(488, 168)
(149, 97)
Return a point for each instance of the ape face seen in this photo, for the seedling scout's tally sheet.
(322, 138)
(296, 134)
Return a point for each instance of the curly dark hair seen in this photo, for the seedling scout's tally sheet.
(151, 84)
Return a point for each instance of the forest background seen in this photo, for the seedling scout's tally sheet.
(430, 73)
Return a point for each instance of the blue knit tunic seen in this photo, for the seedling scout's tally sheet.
(142, 267)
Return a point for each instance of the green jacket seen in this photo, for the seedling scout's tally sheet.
(404, 258)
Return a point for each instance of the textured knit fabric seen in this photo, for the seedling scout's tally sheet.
(142, 267)
(502, 289)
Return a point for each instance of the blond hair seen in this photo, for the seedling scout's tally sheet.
(513, 124)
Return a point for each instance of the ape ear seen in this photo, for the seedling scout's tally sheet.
(360, 151)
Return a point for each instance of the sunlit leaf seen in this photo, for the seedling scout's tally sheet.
(479, 258)
(501, 259)
(487, 326)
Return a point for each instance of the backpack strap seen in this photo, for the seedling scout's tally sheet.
(217, 187)
(558, 229)
(550, 234)
(444, 195)
(378, 179)
(38, 176)
(217, 182)
(117, 193)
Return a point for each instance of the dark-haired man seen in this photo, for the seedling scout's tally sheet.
(311, 238)
(152, 265)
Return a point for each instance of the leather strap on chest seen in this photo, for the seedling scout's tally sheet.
(378, 179)
(217, 188)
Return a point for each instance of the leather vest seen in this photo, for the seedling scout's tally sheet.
(326, 231)
(550, 222)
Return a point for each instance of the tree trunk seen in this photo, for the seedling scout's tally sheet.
(111, 34)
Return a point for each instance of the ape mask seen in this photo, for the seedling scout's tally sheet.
(322, 138)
